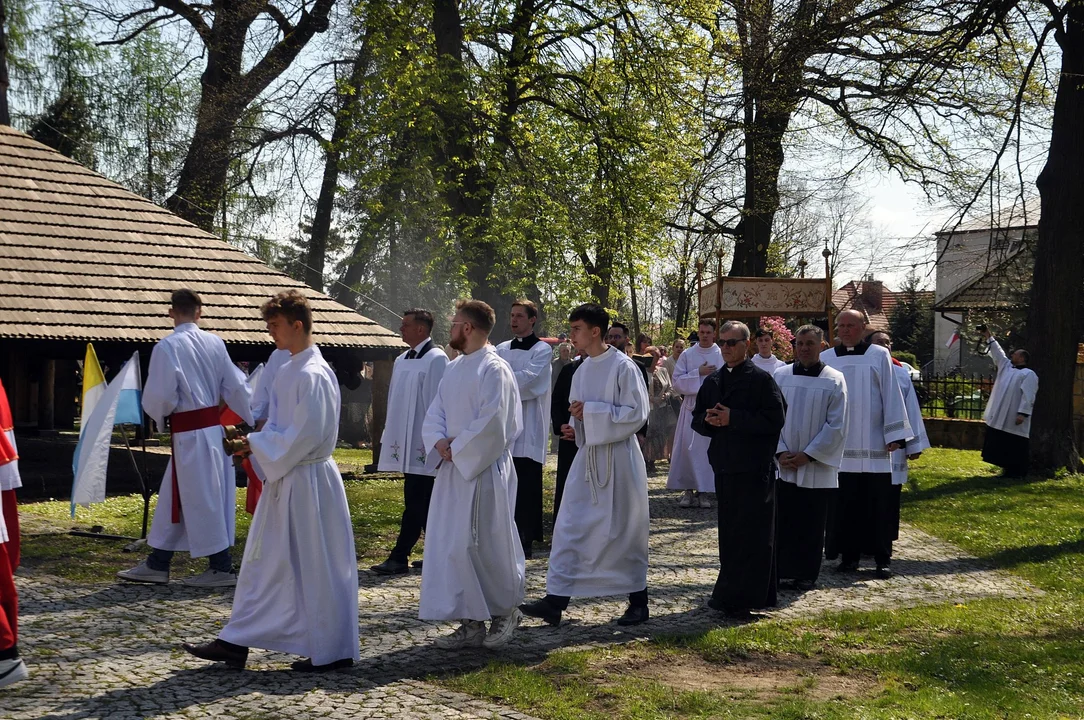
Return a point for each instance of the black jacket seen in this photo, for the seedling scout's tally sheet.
(559, 402)
(757, 412)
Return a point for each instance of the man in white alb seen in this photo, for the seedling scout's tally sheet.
(689, 467)
(414, 382)
(474, 567)
(917, 444)
(864, 518)
(298, 589)
(764, 358)
(529, 358)
(1008, 412)
(190, 372)
(600, 537)
(809, 454)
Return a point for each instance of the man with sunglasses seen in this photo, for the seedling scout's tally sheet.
(741, 409)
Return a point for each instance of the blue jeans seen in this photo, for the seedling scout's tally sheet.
(160, 560)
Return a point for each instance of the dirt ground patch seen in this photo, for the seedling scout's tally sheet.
(762, 676)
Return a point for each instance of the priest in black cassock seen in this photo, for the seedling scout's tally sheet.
(559, 415)
(741, 409)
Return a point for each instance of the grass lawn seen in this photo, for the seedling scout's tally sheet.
(986, 659)
(376, 505)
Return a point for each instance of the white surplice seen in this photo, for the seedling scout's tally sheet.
(1013, 393)
(689, 466)
(298, 587)
(816, 423)
(920, 442)
(532, 370)
(261, 392)
(190, 370)
(768, 364)
(601, 535)
(9, 472)
(474, 567)
(414, 384)
(876, 415)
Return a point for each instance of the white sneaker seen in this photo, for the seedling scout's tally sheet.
(12, 671)
(704, 501)
(686, 499)
(472, 633)
(212, 579)
(143, 574)
(501, 629)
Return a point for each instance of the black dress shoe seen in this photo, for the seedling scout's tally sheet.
(633, 616)
(732, 613)
(417, 564)
(848, 566)
(542, 610)
(217, 651)
(391, 567)
(883, 573)
(803, 585)
(307, 666)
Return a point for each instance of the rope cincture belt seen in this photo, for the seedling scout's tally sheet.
(180, 422)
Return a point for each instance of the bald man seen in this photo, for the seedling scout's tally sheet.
(864, 520)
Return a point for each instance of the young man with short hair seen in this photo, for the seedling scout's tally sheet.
(190, 373)
(600, 538)
(298, 589)
(529, 358)
(474, 566)
(689, 467)
(764, 358)
(414, 381)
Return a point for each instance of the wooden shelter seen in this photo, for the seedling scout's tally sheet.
(84, 260)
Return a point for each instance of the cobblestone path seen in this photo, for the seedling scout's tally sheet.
(111, 651)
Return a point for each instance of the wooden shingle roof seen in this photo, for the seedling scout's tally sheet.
(81, 258)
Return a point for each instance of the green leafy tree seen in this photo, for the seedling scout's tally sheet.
(911, 322)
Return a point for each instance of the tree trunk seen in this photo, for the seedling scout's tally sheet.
(1054, 316)
(5, 82)
(316, 254)
(763, 161)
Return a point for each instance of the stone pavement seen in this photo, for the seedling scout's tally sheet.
(112, 651)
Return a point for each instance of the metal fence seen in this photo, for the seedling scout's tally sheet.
(954, 395)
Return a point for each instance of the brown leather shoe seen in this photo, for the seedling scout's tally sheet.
(217, 651)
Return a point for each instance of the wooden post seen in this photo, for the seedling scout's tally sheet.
(718, 289)
(828, 290)
(381, 386)
(46, 396)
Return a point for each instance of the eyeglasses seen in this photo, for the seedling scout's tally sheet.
(730, 342)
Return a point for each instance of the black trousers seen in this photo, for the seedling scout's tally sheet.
(560, 602)
(528, 498)
(1007, 451)
(800, 518)
(747, 569)
(867, 516)
(417, 490)
(566, 453)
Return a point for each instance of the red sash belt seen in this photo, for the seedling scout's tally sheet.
(180, 422)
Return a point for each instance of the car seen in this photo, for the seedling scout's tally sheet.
(915, 373)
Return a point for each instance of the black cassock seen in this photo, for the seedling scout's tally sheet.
(742, 455)
(559, 415)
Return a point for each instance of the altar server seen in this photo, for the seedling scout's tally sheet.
(298, 589)
(1008, 412)
(190, 373)
(474, 566)
(764, 358)
(529, 358)
(600, 537)
(809, 454)
(877, 425)
(414, 382)
(12, 667)
(689, 467)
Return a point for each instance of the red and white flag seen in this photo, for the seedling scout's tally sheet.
(952, 340)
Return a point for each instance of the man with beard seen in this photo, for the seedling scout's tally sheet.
(474, 565)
